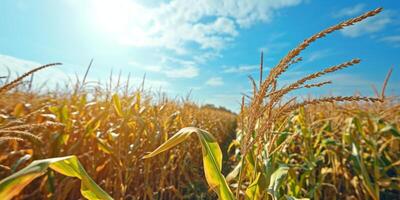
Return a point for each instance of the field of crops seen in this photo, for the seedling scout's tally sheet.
(115, 142)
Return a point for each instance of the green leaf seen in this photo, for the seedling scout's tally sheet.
(212, 158)
(68, 166)
(64, 114)
(21, 160)
(328, 142)
(366, 180)
(254, 190)
(282, 137)
(276, 180)
(104, 146)
(391, 129)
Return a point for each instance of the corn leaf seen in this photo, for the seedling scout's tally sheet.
(117, 105)
(294, 198)
(276, 181)
(254, 189)
(234, 173)
(373, 191)
(212, 158)
(68, 166)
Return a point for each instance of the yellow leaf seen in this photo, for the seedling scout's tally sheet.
(212, 158)
(68, 166)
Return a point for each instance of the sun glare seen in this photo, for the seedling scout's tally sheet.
(114, 17)
(168, 100)
(124, 21)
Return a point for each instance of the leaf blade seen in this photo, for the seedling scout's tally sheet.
(212, 158)
(68, 165)
(176, 139)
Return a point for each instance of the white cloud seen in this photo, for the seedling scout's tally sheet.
(230, 101)
(52, 76)
(349, 80)
(370, 25)
(184, 72)
(176, 24)
(350, 11)
(175, 27)
(392, 40)
(241, 69)
(154, 68)
(317, 55)
(215, 81)
(206, 56)
(136, 81)
(17, 66)
(274, 44)
(171, 67)
(342, 84)
(155, 83)
(178, 68)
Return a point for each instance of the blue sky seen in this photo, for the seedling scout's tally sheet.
(207, 47)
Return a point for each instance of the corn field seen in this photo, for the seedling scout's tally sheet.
(118, 142)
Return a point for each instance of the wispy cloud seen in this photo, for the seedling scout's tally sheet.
(171, 67)
(51, 77)
(154, 68)
(240, 69)
(274, 44)
(17, 66)
(349, 80)
(393, 40)
(180, 28)
(350, 11)
(136, 81)
(176, 24)
(184, 72)
(207, 56)
(317, 55)
(215, 81)
(368, 26)
(342, 84)
(230, 100)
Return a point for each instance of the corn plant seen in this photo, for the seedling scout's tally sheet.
(325, 148)
(69, 166)
(109, 128)
(267, 130)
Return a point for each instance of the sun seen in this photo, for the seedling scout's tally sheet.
(115, 17)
